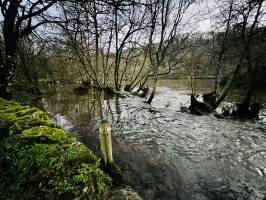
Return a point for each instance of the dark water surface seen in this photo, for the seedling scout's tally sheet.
(166, 154)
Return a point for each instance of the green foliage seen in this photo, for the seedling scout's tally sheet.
(39, 160)
(17, 117)
(29, 122)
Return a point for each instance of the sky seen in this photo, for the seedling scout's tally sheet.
(203, 25)
(201, 15)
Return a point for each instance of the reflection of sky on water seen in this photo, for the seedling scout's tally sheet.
(62, 121)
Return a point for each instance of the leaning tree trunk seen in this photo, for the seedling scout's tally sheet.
(153, 91)
(227, 87)
(142, 84)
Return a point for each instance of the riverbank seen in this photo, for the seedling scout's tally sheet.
(40, 160)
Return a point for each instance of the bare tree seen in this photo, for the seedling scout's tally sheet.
(245, 13)
(166, 25)
(104, 37)
(224, 43)
(20, 18)
(129, 18)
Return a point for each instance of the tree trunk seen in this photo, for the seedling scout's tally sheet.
(142, 84)
(4, 76)
(249, 94)
(10, 34)
(8, 72)
(153, 92)
(227, 87)
(8, 67)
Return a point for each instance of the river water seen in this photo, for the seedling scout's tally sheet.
(169, 155)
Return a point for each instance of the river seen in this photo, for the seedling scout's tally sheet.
(169, 155)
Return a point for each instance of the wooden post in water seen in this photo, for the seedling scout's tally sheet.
(106, 143)
(106, 147)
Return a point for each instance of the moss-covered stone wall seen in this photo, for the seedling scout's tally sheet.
(40, 160)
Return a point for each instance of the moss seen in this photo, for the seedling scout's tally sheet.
(83, 153)
(6, 119)
(4, 102)
(31, 111)
(8, 113)
(18, 118)
(51, 171)
(29, 122)
(40, 160)
(45, 133)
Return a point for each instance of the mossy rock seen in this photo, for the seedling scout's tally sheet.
(9, 114)
(78, 152)
(28, 122)
(44, 171)
(11, 109)
(83, 153)
(7, 119)
(4, 103)
(40, 160)
(45, 134)
(36, 112)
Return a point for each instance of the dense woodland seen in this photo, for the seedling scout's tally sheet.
(125, 44)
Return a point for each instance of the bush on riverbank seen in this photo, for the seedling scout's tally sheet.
(39, 160)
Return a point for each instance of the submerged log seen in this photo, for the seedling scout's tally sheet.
(210, 98)
(199, 108)
(240, 111)
(127, 88)
(86, 83)
(141, 92)
(81, 90)
(145, 91)
(109, 91)
(255, 110)
(244, 111)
